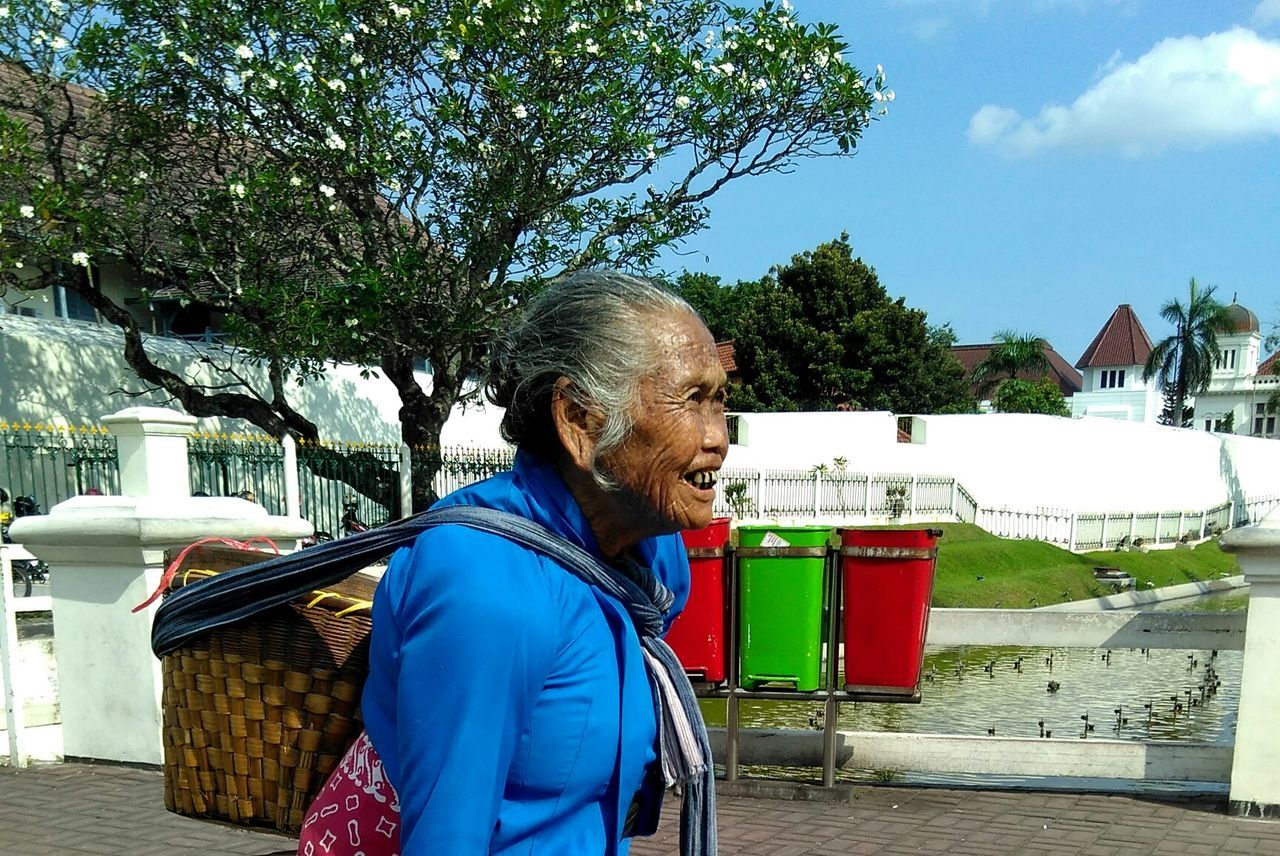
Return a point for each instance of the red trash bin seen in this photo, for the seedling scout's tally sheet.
(697, 636)
(888, 582)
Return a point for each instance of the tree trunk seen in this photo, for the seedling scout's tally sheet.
(422, 418)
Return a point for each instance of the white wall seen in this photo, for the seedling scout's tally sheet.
(73, 373)
(1027, 461)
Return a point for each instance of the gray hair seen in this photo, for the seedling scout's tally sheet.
(587, 327)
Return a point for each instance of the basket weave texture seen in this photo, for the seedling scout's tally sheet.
(257, 714)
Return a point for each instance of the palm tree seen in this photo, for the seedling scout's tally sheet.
(1182, 364)
(1012, 354)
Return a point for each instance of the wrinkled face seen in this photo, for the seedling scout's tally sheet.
(667, 467)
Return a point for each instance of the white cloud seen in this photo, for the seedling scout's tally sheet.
(1188, 92)
(1268, 12)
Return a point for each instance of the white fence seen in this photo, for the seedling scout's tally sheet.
(881, 497)
(10, 606)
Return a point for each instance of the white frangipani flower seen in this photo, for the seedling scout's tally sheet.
(164, 41)
(80, 258)
(244, 52)
(57, 7)
(401, 11)
(334, 141)
(27, 211)
(682, 102)
(591, 46)
(520, 111)
(272, 83)
(186, 57)
(294, 181)
(237, 189)
(59, 44)
(725, 68)
(327, 191)
(364, 28)
(18, 265)
(4, 11)
(337, 85)
(357, 59)
(451, 53)
(348, 38)
(352, 322)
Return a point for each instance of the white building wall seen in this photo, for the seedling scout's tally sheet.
(73, 373)
(1134, 401)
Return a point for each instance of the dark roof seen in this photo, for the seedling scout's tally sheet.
(1068, 379)
(728, 358)
(1242, 320)
(1271, 365)
(1120, 342)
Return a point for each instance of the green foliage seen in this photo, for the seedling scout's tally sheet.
(822, 333)
(1015, 395)
(1012, 354)
(1183, 363)
(377, 182)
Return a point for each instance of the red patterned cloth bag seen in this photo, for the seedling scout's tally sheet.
(357, 813)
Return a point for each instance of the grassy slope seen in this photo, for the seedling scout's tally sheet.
(1018, 574)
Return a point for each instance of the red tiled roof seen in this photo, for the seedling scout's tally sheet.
(1068, 379)
(728, 361)
(1120, 342)
(1271, 365)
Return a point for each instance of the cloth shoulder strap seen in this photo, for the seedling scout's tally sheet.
(244, 592)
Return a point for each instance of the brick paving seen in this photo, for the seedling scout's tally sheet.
(101, 809)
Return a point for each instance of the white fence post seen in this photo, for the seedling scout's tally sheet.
(1071, 535)
(13, 714)
(406, 480)
(1182, 522)
(955, 495)
(1104, 531)
(817, 492)
(760, 493)
(292, 490)
(915, 482)
(867, 510)
(1133, 526)
(1158, 516)
(1255, 777)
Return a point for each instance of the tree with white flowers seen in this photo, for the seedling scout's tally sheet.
(374, 182)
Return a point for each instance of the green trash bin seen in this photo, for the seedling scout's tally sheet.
(782, 579)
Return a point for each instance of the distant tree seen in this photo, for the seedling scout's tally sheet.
(1182, 363)
(821, 333)
(1013, 354)
(718, 303)
(1016, 395)
(1166, 413)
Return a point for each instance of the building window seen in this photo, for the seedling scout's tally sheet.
(75, 307)
(1227, 360)
(1208, 424)
(1111, 378)
(1264, 421)
(731, 423)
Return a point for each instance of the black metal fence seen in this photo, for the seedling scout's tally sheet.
(246, 465)
(345, 486)
(52, 463)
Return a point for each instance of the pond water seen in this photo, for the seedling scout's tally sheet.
(1127, 694)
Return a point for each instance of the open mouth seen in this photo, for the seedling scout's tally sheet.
(702, 479)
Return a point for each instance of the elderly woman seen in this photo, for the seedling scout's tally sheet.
(512, 705)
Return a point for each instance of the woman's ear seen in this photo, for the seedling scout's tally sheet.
(578, 426)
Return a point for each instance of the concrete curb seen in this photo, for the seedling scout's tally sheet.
(1133, 599)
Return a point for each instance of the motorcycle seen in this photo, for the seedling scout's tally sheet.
(351, 522)
(26, 572)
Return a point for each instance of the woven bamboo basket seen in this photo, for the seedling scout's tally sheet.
(257, 714)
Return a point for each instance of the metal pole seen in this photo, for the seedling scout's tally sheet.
(731, 705)
(1071, 537)
(915, 482)
(817, 492)
(831, 708)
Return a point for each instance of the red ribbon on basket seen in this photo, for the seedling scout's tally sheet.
(170, 571)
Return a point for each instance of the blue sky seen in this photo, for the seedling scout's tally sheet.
(1045, 160)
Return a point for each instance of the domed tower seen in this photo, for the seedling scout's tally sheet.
(1238, 348)
(1237, 400)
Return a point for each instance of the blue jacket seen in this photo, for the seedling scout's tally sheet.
(509, 700)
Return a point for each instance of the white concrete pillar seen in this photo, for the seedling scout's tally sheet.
(292, 487)
(406, 480)
(151, 443)
(1255, 768)
(107, 555)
